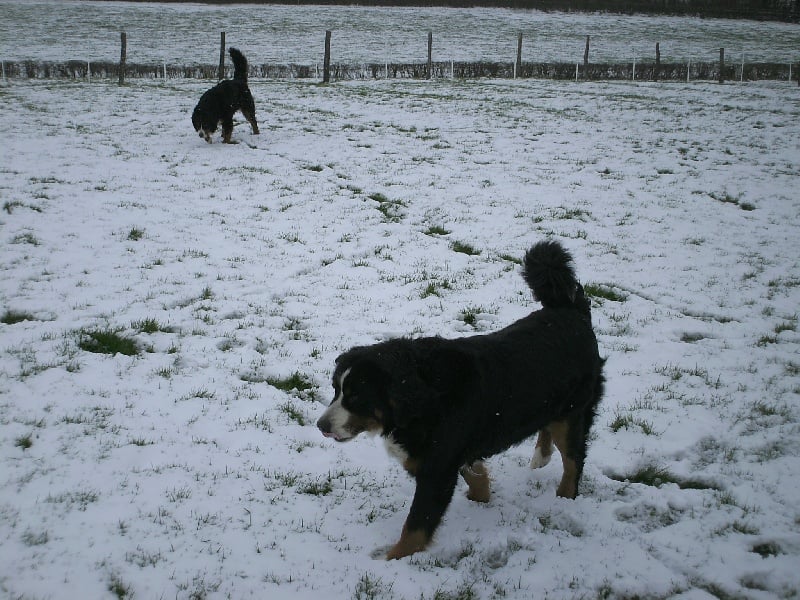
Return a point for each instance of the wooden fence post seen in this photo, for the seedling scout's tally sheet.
(326, 65)
(430, 54)
(519, 55)
(586, 60)
(722, 65)
(221, 70)
(658, 62)
(123, 53)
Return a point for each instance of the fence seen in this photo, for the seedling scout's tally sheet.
(716, 70)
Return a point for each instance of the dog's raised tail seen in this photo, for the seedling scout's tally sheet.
(547, 269)
(239, 64)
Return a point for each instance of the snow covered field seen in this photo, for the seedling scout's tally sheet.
(187, 34)
(192, 468)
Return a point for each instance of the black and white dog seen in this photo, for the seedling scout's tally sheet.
(444, 405)
(220, 103)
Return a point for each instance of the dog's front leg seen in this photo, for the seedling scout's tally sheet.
(431, 499)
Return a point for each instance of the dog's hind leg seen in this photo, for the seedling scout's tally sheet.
(543, 451)
(251, 118)
(569, 438)
(477, 477)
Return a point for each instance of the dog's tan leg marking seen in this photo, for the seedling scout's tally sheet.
(544, 449)
(411, 466)
(477, 477)
(568, 487)
(409, 542)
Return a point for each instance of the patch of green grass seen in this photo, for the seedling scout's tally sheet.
(24, 441)
(148, 325)
(10, 206)
(296, 382)
(767, 549)
(371, 587)
(135, 234)
(141, 442)
(656, 476)
(29, 538)
(293, 413)
(727, 198)
(25, 238)
(628, 421)
(603, 292)
(766, 339)
(118, 588)
(465, 591)
(81, 499)
(433, 288)
(470, 315)
(13, 316)
(317, 487)
(392, 210)
(106, 341)
(511, 259)
(464, 248)
(691, 338)
(436, 230)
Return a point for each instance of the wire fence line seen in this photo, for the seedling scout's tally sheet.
(635, 71)
(644, 69)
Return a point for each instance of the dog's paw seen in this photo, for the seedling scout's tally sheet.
(539, 459)
(381, 553)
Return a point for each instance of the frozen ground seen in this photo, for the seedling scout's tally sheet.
(187, 33)
(192, 469)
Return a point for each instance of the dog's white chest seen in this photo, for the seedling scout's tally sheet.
(395, 450)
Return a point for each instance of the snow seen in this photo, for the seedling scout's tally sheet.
(184, 472)
(189, 33)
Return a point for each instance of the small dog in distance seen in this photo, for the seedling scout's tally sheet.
(220, 103)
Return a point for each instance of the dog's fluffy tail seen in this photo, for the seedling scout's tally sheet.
(547, 269)
(239, 64)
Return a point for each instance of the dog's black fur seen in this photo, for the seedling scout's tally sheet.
(220, 103)
(445, 405)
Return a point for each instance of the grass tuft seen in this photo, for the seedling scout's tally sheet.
(767, 549)
(106, 341)
(294, 382)
(470, 315)
(23, 441)
(464, 248)
(12, 316)
(135, 234)
(148, 326)
(603, 292)
(436, 230)
(656, 476)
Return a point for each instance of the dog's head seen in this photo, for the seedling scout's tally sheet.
(203, 125)
(391, 386)
(360, 399)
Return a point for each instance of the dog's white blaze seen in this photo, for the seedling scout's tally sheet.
(336, 414)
